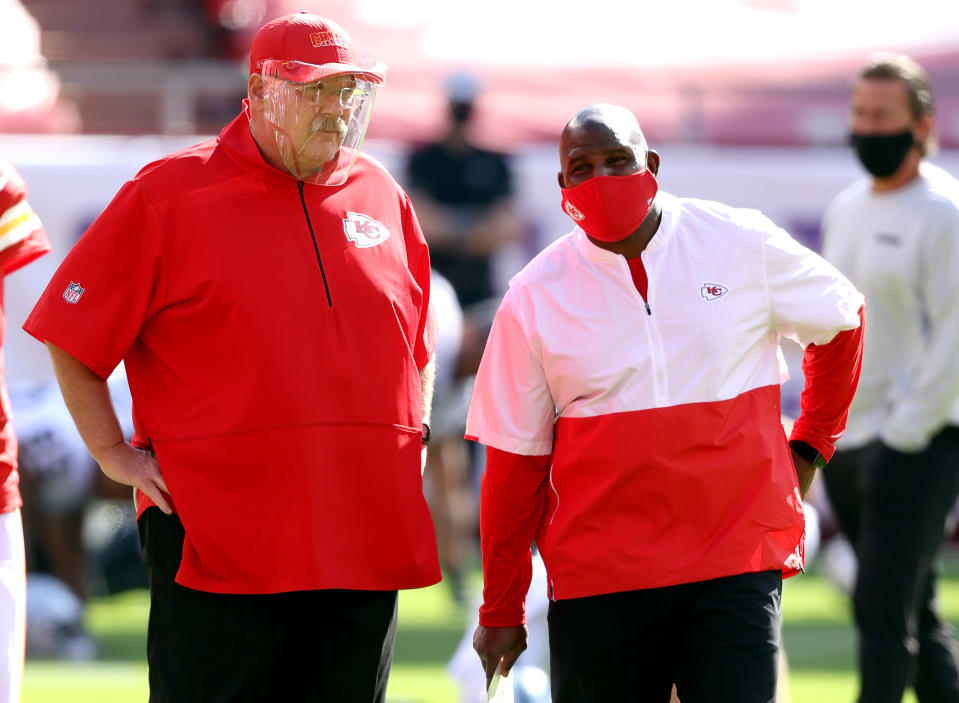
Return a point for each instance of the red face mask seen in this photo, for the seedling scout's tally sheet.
(610, 208)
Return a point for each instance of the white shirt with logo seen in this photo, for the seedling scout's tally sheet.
(724, 284)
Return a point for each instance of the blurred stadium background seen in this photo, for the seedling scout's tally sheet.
(745, 99)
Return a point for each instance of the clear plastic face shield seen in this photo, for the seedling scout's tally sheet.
(319, 118)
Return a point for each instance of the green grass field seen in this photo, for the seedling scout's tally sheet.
(818, 637)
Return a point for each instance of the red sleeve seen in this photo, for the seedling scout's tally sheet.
(832, 374)
(512, 500)
(419, 263)
(22, 238)
(109, 283)
(26, 250)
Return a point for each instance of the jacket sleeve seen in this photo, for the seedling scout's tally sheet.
(22, 237)
(810, 301)
(418, 258)
(831, 373)
(512, 501)
(932, 388)
(120, 264)
(511, 407)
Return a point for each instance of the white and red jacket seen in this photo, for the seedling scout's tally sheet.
(658, 421)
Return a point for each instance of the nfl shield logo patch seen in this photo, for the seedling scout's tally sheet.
(73, 292)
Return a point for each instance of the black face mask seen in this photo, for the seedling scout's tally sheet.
(461, 111)
(882, 154)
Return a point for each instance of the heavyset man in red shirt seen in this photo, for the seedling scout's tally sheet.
(268, 291)
(629, 400)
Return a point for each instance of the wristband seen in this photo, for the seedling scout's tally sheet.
(807, 452)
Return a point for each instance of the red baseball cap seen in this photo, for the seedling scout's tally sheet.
(310, 48)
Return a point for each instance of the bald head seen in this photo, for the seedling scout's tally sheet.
(602, 140)
(603, 121)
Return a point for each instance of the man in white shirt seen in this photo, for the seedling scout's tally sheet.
(895, 235)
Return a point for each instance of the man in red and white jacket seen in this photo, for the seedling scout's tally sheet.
(629, 400)
(22, 239)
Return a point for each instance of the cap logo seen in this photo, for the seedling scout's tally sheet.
(326, 38)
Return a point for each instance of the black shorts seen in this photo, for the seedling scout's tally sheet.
(330, 645)
(717, 640)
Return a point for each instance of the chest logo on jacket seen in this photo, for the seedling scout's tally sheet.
(364, 231)
(711, 291)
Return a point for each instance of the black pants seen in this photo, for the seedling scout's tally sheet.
(893, 508)
(717, 640)
(203, 647)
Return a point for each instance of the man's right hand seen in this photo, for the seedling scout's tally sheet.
(495, 643)
(88, 400)
(126, 464)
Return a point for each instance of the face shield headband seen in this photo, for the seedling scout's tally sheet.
(319, 116)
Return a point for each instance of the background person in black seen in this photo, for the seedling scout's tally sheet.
(463, 198)
(462, 194)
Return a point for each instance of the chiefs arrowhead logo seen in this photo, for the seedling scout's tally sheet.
(573, 211)
(364, 231)
(711, 291)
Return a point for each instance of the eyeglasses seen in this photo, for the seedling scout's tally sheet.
(348, 96)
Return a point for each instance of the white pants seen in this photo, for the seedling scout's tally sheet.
(13, 606)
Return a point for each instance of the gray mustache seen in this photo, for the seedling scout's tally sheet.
(329, 124)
